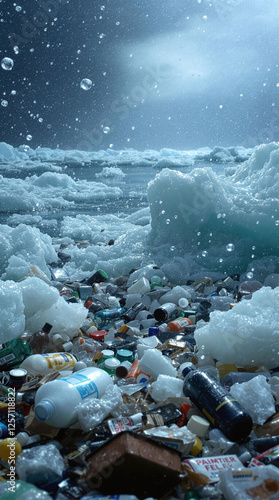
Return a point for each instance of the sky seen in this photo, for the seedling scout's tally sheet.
(180, 74)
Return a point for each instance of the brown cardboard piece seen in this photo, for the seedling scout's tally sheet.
(130, 463)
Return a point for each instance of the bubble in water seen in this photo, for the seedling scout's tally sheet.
(29, 137)
(230, 247)
(167, 221)
(49, 126)
(106, 130)
(204, 253)
(16, 49)
(219, 216)
(4, 103)
(221, 260)
(13, 92)
(86, 84)
(172, 249)
(250, 275)
(7, 63)
(277, 223)
(26, 148)
(18, 8)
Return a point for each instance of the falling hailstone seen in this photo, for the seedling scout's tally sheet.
(106, 130)
(7, 63)
(86, 84)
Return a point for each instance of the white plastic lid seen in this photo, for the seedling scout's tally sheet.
(107, 353)
(112, 363)
(183, 302)
(44, 410)
(198, 425)
(137, 418)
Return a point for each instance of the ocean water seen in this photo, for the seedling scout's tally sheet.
(196, 213)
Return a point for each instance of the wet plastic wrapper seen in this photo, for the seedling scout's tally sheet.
(93, 411)
(179, 438)
(257, 483)
(85, 349)
(40, 465)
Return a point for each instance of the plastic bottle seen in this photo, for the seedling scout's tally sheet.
(133, 311)
(110, 366)
(214, 401)
(98, 277)
(107, 317)
(56, 401)
(12, 353)
(39, 341)
(125, 355)
(178, 325)
(259, 445)
(45, 363)
(166, 312)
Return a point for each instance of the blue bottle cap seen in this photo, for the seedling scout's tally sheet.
(153, 330)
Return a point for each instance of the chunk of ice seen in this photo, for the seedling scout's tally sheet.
(155, 363)
(165, 387)
(256, 397)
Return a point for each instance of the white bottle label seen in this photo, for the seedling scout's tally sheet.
(85, 386)
(60, 361)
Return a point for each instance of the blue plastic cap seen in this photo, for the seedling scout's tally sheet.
(153, 330)
(44, 410)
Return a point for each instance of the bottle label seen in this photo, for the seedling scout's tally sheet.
(120, 424)
(85, 386)
(59, 361)
(7, 358)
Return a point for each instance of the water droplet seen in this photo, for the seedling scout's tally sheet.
(167, 221)
(4, 103)
(16, 49)
(41, 120)
(29, 137)
(18, 8)
(26, 148)
(253, 247)
(219, 216)
(249, 275)
(204, 253)
(86, 84)
(277, 223)
(230, 247)
(106, 130)
(49, 126)
(172, 248)
(205, 18)
(13, 92)
(7, 63)
(102, 7)
(221, 260)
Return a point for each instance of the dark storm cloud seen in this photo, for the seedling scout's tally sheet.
(178, 74)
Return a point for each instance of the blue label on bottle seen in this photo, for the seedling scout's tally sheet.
(85, 386)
